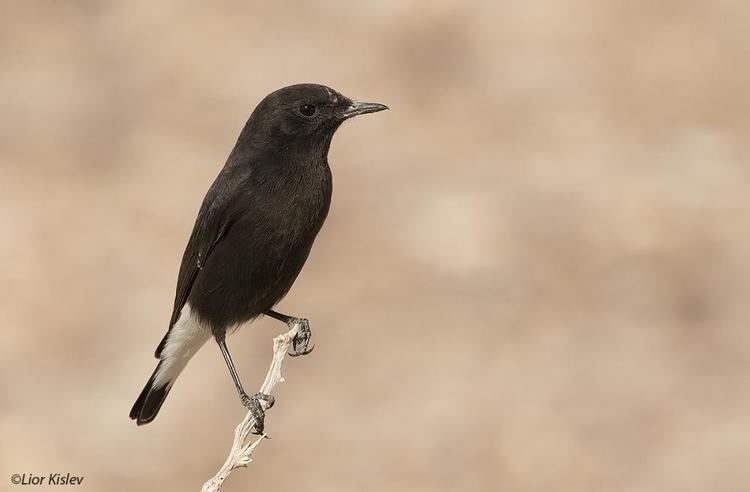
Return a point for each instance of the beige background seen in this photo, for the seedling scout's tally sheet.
(534, 277)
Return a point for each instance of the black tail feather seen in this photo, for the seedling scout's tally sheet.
(149, 401)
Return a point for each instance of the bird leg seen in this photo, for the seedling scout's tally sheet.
(252, 403)
(302, 338)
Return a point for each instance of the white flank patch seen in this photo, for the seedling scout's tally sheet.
(185, 338)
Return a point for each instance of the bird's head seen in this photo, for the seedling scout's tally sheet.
(304, 115)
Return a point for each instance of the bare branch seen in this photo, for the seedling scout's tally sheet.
(242, 447)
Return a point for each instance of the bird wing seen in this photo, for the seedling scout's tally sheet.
(214, 220)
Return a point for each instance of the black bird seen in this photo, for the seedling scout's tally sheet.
(253, 233)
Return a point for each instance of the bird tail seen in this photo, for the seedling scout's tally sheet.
(181, 343)
(151, 398)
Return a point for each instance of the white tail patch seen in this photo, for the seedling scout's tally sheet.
(185, 338)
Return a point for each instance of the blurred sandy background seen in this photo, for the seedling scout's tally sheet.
(534, 277)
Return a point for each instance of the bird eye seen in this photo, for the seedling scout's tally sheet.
(307, 110)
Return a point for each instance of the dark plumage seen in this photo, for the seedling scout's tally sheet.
(254, 230)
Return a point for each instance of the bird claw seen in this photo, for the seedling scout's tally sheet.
(301, 339)
(252, 403)
(304, 352)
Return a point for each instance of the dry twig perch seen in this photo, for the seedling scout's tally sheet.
(242, 447)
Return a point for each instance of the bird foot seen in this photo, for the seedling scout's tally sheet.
(301, 339)
(252, 403)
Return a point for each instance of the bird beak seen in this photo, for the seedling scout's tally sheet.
(357, 108)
